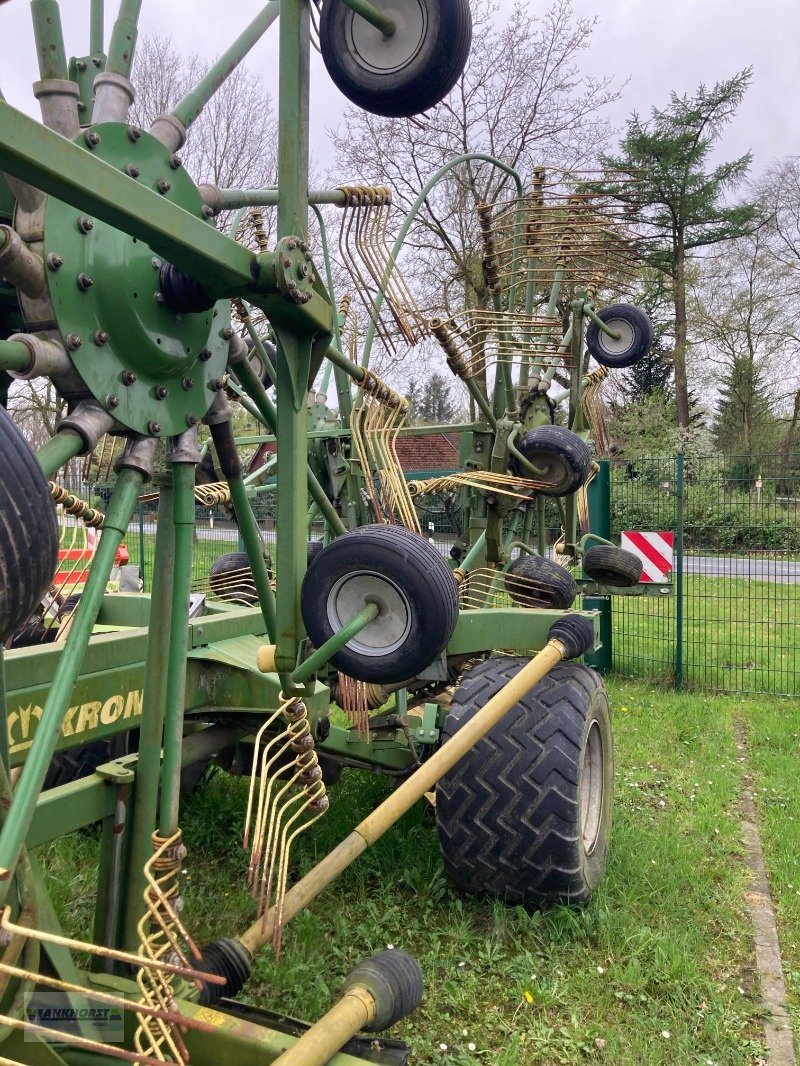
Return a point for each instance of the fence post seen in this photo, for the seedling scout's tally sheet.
(599, 498)
(141, 542)
(679, 491)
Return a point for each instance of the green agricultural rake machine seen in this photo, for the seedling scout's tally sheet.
(369, 649)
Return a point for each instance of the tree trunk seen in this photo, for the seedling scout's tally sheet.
(679, 357)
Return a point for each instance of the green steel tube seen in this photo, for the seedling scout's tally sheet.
(154, 710)
(123, 38)
(191, 106)
(183, 476)
(319, 657)
(96, 27)
(49, 40)
(599, 500)
(476, 551)
(474, 390)
(257, 393)
(3, 713)
(373, 16)
(14, 355)
(59, 450)
(590, 312)
(412, 214)
(248, 530)
(141, 546)
(268, 197)
(29, 786)
(339, 360)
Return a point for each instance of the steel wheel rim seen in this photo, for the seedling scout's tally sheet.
(592, 788)
(387, 55)
(612, 346)
(352, 593)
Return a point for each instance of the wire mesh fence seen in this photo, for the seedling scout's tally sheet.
(732, 623)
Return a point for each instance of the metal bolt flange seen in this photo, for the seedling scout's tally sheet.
(132, 171)
(163, 186)
(112, 401)
(204, 355)
(92, 138)
(192, 420)
(128, 377)
(100, 337)
(187, 383)
(208, 212)
(84, 282)
(161, 392)
(55, 261)
(155, 263)
(73, 342)
(154, 428)
(215, 384)
(226, 333)
(134, 133)
(158, 297)
(85, 225)
(175, 161)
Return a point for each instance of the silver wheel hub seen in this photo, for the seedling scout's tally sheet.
(385, 633)
(624, 341)
(592, 789)
(384, 55)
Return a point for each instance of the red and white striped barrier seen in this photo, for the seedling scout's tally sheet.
(654, 549)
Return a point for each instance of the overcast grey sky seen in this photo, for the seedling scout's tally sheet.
(658, 46)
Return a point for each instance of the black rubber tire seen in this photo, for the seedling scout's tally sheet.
(391, 562)
(28, 530)
(401, 77)
(562, 454)
(533, 581)
(612, 566)
(68, 766)
(633, 345)
(314, 548)
(231, 579)
(525, 816)
(69, 605)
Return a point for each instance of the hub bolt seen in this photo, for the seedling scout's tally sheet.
(215, 384)
(55, 261)
(204, 355)
(132, 171)
(291, 244)
(161, 392)
(154, 428)
(175, 161)
(192, 420)
(85, 225)
(92, 139)
(81, 65)
(163, 186)
(208, 212)
(84, 282)
(226, 333)
(112, 401)
(187, 383)
(158, 297)
(134, 133)
(128, 377)
(73, 342)
(100, 337)
(155, 263)
(287, 262)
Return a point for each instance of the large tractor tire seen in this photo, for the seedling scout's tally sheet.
(533, 581)
(525, 816)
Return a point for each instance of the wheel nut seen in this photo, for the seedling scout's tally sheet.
(100, 337)
(134, 133)
(158, 297)
(154, 428)
(175, 161)
(192, 420)
(128, 377)
(204, 355)
(187, 383)
(85, 225)
(55, 261)
(155, 263)
(112, 401)
(73, 342)
(163, 186)
(215, 384)
(161, 392)
(132, 171)
(208, 212)
(226, 333)
(84, 282)
(92, 139)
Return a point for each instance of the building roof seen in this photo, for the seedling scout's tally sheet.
(427, 451)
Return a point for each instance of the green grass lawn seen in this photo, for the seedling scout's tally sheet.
(657, 968)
